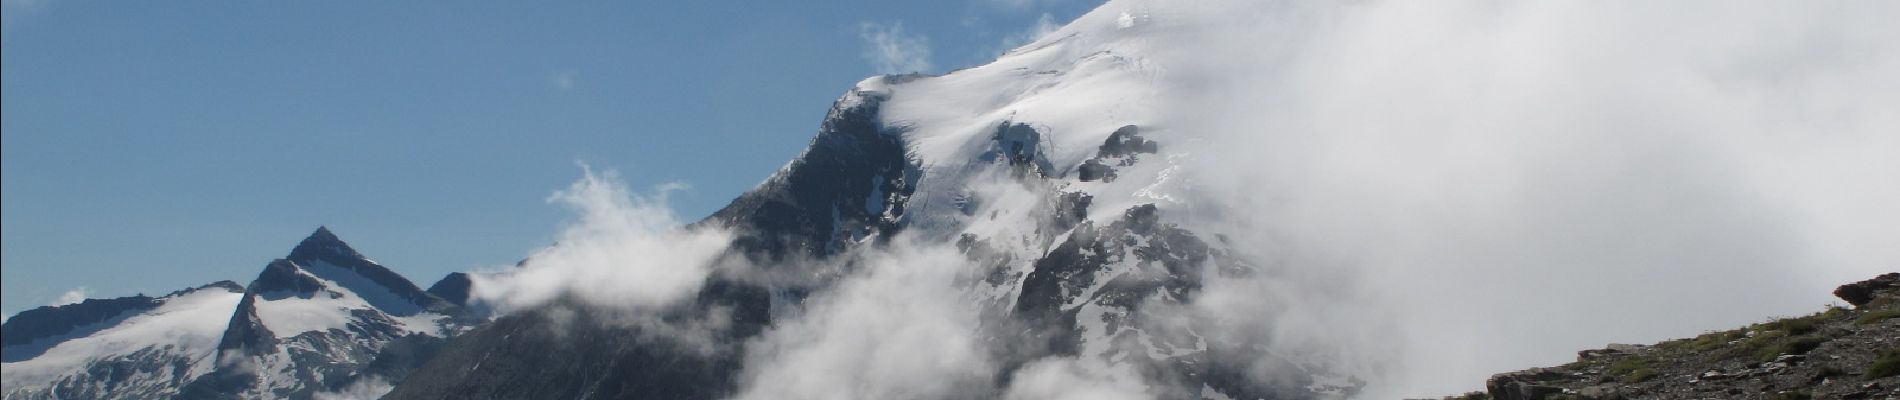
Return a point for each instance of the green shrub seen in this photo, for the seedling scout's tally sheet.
(1796, 345)
(1712, 341)
(1887, 365)
(1797, 326)
(1626, 366)
(1639, 375)
(1877, 316)
(1762, 342)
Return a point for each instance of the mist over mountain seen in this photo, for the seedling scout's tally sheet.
(1157, 200)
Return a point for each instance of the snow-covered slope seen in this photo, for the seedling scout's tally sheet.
(137, 353)
(322, 320)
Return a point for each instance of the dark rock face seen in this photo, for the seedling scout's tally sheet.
(1019, 146)
(453, 288)
(281, 278)
(1122, 148)
(852, 182)
(1861, 293)
(1840, 353)
(1171, 255)
(1126, 142)
(1523, 385)
(570, 352)
(1145, 261)
(1071, 209)
(246, 333)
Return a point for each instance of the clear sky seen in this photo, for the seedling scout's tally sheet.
(153, 146)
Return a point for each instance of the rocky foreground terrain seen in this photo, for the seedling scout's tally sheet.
(1840, 353)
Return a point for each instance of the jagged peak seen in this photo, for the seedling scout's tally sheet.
(323, 260)
(454, 288)
(324, 245)
(282, 275)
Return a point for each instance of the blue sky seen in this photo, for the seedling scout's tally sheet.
(152, 146)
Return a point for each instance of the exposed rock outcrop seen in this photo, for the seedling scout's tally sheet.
(1864, 292)
(1840, 353)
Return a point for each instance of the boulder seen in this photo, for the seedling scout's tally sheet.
(1860, 293)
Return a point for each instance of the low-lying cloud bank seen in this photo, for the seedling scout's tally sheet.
(901, 327)
(1510, 182)
(624, 251)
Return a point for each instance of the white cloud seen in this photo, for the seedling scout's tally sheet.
(1513, 182)
(563, 80)
(1070, 378)
(1044, 25)
(625, 251)
(892, 50)
(370, 388)
(74, 296)
(899, 328)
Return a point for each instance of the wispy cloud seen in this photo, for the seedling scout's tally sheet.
(1044, 25)
(1018, 5)
(76, 295)
(892, 50)
(626, 251)
(872, 333)
(369, 388)
(563, 80)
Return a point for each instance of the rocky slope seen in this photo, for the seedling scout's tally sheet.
(1840, 353)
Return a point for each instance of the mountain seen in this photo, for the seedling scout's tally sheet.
(839, 191)
(1840, 353)
(322, 319)
(1041, 167)
(125, 348)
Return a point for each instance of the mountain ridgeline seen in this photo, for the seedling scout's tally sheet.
(1049, 181)
(1046, 180)
(319, 320)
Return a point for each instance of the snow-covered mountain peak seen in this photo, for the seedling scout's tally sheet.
(324, 258)
(323, 244)
(323, 318)
(317, 320)
(128, 347)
